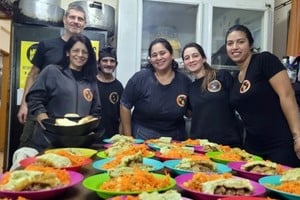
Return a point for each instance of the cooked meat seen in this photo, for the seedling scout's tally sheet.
(230, 186)
(261, 167)
(196, 165)
(26, 180)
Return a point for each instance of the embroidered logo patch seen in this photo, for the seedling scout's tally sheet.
(214, 86)
(181, 100)
(245, 86)
(87, 94)
(113, 97)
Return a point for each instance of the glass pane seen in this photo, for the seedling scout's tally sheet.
(172, 21)
(224, 18)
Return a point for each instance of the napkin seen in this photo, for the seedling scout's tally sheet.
(21, 154)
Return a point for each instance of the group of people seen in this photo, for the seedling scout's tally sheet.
(67, 78)
(255, 109)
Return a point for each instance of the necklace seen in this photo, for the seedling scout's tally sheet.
(166, 78)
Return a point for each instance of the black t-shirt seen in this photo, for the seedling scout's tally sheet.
(259, 106)
(110, 94)
(48, 52)
(156, 106)
(212, 116)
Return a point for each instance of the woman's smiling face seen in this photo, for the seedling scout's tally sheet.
(238, 47)
(78, 56)
(193, 61)
(160, 57)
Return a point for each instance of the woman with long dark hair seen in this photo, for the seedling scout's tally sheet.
(263, 96)
(212, 116)
(66, 88)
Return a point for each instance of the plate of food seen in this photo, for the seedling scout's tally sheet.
(187, 165)
(163, 142)
(255, 170)
(123, 138)
(246, 198)
(126, 150)
(131, 183)
(86, 152)
(170, 194)
(206, 186)
(37, 183)
(158, 146)
(231, 156)
(175, 153)
(56, 161)
(286, 185)
(128, 161)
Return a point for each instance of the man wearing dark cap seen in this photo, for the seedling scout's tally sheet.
(110, 90)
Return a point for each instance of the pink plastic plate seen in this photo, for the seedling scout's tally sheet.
(44, 194)
(125, 197)
(236, 166)
(199, 149)
(259, 190)
(31, 160)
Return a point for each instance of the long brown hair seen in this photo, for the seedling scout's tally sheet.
(210, 73)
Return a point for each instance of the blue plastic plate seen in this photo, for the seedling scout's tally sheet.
(156, 165)
(170, 164)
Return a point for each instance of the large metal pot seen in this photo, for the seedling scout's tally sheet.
(40, 12)
(99, 16)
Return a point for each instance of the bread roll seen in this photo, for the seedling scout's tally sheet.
(65, 122)
(53, 160)
(71, 115)
(86, 119)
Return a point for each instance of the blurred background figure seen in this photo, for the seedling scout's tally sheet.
(110, 90)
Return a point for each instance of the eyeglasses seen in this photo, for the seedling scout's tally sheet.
(79, 51)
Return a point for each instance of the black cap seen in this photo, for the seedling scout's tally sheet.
(107, 52)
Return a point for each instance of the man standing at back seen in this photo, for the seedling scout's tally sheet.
(49, 52)
(110, 90)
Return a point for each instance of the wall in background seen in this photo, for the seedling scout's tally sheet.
(113, 3)
(5, 26)
(281, 20)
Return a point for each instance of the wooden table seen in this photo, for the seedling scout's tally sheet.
(79, 192)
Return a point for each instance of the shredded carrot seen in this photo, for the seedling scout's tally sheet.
(198, 178)
(177, 153)
(135, 182)
(289, 186)
(225, 148)
(61, 174)
(191, 142)
(5, 178)
(143, 148)
(230, 156)
(75, 159)
(236, 154)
